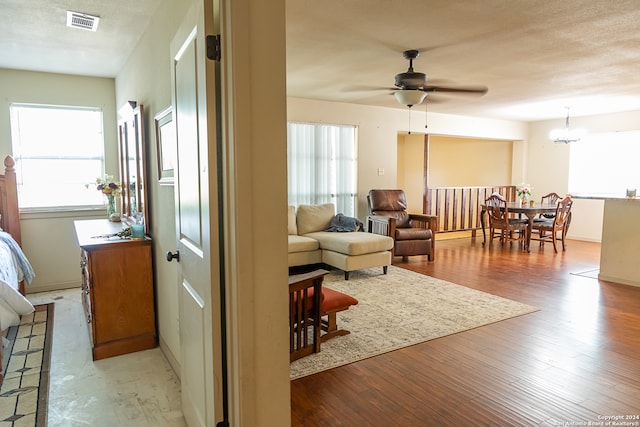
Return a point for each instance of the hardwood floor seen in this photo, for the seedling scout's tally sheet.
(574, 362)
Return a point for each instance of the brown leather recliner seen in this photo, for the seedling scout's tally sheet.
(413, 234)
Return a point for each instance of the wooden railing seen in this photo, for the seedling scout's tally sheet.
(458, 208)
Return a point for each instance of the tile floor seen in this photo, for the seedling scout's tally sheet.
(137, 389)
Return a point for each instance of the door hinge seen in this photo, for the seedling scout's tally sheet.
(213, 48)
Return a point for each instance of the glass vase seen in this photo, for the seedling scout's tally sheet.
(111, 205)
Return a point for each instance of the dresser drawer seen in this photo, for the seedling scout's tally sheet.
(117, 292)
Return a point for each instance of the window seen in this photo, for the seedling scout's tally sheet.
(58, 150)
(605, 164)
(322, 165)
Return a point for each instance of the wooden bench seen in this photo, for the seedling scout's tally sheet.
(332, 303)
(308, 324)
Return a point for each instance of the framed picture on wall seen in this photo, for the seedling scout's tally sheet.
(166, 140)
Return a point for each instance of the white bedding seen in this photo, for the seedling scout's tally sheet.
(12, 303)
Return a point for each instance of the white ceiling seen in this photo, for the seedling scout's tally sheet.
(535, 56)
(34, 35)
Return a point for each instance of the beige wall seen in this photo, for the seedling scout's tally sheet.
(48, 238)
(453, 162)
(254, 128)
(378, 130)
(548, 167)
(535, 159)
(463, 162)
(411, 169)
(146, 79)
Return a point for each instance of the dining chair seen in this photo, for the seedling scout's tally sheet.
(499, 221)
(558, 224)
(548, 199)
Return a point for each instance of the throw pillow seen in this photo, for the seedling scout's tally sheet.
(312, 218)
(293, 228)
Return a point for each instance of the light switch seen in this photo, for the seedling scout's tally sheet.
(380, 171)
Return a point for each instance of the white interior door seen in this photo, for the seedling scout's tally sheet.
(199, 311)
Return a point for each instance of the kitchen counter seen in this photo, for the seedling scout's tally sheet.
(620, 241)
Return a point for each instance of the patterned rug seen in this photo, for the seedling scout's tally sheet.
(400, 309)
(25, 390)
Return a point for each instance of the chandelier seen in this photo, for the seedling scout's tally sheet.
(566, 135)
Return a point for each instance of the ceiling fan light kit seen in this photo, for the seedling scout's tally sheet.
(410, 97)
(566, 135)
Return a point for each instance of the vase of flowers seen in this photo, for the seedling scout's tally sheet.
(111, 189)
(524, 193)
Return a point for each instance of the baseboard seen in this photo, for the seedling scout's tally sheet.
(618, 280)
(169, 355)
(583, 238)
(32, 289)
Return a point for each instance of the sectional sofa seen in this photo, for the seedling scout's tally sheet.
(309, 243)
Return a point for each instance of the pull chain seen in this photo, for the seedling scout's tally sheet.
(426, 116)
(409, 120)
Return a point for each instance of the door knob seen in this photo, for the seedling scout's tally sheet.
(172, 256)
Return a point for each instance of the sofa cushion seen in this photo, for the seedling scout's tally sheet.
(293, 227)
(352, 243)
(302, 244)
(335, 301)
(312, 218)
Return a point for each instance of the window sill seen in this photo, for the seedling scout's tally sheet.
(63, 212)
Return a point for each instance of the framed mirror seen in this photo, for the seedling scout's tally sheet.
(166, 140)
(133, 167)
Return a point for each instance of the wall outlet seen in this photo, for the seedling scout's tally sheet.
(380, 171)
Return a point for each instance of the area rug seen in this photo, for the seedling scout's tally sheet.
(400, 309)
(25, 390)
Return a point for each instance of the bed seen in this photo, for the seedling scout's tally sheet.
(15, 269)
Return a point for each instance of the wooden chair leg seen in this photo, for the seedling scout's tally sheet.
(330, 327)
(334, 302)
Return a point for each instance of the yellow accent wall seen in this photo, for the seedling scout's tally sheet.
(453, 162)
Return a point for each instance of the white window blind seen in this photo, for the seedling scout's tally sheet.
(322, 165)
(605, 164)
(58, 150)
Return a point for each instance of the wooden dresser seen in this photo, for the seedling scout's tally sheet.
(117, 289)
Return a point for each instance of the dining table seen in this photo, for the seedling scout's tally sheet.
(527, 209)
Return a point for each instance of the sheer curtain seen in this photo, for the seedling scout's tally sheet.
(322, 163)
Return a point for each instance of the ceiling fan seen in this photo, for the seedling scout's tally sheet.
(412, 88)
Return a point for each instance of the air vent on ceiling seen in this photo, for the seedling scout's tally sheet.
(82, 20)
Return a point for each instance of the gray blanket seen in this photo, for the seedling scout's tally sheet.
(22, 260)
(342, 223)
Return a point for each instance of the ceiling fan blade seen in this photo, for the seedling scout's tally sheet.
(367, 88)
(477, 90)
